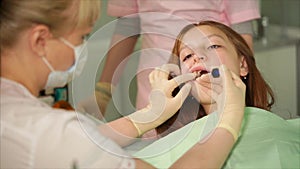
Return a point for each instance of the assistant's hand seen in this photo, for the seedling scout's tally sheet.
(103, 95)
(96, 102)
(162, 104)
(230, 100)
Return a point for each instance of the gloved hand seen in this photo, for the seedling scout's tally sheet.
(93, 104)
(103, 95)
(230, 100)
(162, 104)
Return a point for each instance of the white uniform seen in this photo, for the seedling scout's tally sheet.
(34, 135)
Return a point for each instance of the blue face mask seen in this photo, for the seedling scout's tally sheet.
(61, 78)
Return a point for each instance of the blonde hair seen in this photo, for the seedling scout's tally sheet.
(16, 16)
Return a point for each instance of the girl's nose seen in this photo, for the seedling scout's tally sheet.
(199, 58)
(196, 59)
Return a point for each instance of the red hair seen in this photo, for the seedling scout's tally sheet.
(258, 92)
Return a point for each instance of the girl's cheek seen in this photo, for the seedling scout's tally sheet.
(218, 59)
(184, 68)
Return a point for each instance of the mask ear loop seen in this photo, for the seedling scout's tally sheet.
(71, 46)
(67, 42)
(47, 63)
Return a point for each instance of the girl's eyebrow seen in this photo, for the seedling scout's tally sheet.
(183, 46)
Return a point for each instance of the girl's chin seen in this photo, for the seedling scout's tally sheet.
(204, 101)
(199, 90)
(207, 102)
(202, 97)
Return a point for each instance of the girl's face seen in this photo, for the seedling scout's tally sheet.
(203, 48)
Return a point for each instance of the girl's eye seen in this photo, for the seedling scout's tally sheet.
(187, 57)
(214, 47)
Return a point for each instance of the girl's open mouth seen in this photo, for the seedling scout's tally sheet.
(199, 70)
(200, 73)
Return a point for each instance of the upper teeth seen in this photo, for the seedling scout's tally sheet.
(198, 74)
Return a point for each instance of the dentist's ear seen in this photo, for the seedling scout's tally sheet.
(38, 37)
(243, 67)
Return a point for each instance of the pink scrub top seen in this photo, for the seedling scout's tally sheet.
(162, 20)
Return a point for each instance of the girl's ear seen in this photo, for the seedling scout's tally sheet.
(243, 67)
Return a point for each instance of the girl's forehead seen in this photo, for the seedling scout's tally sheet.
(202, 33)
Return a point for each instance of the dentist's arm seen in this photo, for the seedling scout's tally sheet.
(162, 106)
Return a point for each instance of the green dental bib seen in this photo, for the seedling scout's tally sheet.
(265, 141)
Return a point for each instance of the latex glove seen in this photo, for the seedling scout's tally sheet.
(103, 95)
(230, 100)
(162, 104)
(96, 102)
